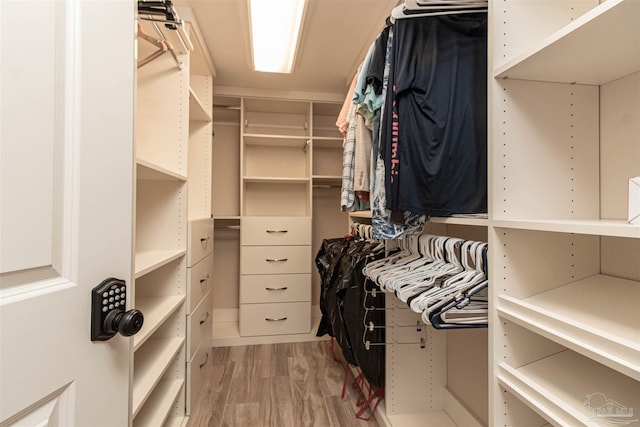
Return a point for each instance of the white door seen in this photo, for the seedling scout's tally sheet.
(66, 207)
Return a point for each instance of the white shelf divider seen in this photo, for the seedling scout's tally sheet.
(151, 362)
(276, 180)
(600, 46)
(597, 316)
(604, 227)
(159, 405)
(150, 171)
(155, 310)
(197, 110)
(560, 388)
(147, 261)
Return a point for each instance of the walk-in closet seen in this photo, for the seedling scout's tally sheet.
(427, 214)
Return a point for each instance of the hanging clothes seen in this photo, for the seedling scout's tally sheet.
(434, 141)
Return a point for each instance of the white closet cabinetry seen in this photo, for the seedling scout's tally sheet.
(173, 236)
(288, 155)
(565, 279)
(160, 239)
(275, 227)
(200, 229)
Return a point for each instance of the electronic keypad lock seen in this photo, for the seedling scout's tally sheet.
(108, 315)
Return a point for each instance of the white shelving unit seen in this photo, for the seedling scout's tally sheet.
(565, 282)
(160, 237)
(288, 155)
(173, 188)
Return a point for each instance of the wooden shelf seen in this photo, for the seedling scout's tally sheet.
(150, 171)
(558, 386)
(275, 180)
(597, 48)
(276, 140)
(197, 110)
(327, 142)
(360, 214)
(147, 261)
(155, 310)
(604, 227)
(480, 222)
(327, 180)
(159, 405)
(151, 362)
(597, 316)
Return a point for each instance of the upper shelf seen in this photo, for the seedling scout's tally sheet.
(150, 171)
(599, 47)
(197, 110)
(603, 227)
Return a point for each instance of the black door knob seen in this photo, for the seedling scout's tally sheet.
(127, 323)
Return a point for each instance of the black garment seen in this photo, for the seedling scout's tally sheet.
(346, 306)
(436, 154)
(375, 72)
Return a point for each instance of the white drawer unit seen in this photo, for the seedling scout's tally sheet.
(199, 326)
(273, 231)
(270, 288)
(275, 259)
(197, 369)
(200, 280)
(275, 319)
(200, 242)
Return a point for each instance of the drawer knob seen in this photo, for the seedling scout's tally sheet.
(277, 259)
(273, 319)
(204, 279)
(284, 288)
(277, 231)
(204, 240)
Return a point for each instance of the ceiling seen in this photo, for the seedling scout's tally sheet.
(335, 37)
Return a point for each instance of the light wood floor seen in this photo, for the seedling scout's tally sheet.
(276, 385)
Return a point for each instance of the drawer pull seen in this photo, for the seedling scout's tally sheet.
(204, 239)
(276, 259)
(271, 319)
(205, 279)
(206, 359)
(284, 288)
(206, 316)
(277, 231)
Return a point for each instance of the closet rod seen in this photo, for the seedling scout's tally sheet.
(182, 35)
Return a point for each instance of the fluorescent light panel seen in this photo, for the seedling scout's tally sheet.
(275, 29)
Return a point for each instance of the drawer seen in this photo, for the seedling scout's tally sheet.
(275, 231)
(266, 288)
(275, 319)
(275, 259)
(200, 280)
(199, 326)
(196, 373)
(200, 240)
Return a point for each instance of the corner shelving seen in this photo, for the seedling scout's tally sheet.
(151, 362)
(158, 407)
(565, 283)
(156, 310)
(197, 110)
(148, 261)
(162, 115)
(596, 316)
(559, 388)
(593, 49)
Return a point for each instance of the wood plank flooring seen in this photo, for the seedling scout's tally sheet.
(276, 385)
